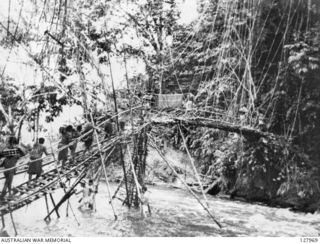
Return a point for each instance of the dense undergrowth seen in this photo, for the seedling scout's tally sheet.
(265, 170)
(277, 84)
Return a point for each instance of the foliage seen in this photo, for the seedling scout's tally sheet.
(263, 56)
(154, 21)
(10, 97)
(284, 95)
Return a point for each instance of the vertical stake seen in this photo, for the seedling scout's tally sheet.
(103, 166)
(54, 205)
(47, 205)
(185, 183)
(117, 122)
(3, 223)
(134, 176)
(13, 224)
(193, 166)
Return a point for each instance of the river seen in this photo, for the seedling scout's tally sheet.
(174, 213)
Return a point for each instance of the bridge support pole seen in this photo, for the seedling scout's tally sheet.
(103, 165)
(118, 127)
(3, 223)
(66, 196)
(54, 205)
(68, 203)
(13, 224)
(193, 166)
(154, 145)
(47, 205)
(138, 187)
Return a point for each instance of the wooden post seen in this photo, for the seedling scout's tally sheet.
(125, 66)
(186, 185)
(81, 79)
(68, 203)
(3, 223)
(134, 175)
(13, 224)
(66, 196)
(103, 166)
(64, 189)
(62, 63)
(118, 188)
(193, 166)
(117, 122)
(54, 205)
(114, 94)
(128, 87)
(131, 116)
(47, 205)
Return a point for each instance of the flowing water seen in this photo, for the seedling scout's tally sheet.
(174, 213)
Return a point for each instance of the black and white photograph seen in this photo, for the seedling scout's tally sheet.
(159, 118)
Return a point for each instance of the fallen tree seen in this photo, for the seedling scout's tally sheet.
(246, 131)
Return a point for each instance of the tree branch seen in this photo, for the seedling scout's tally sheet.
(3, 111)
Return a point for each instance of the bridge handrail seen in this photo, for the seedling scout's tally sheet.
(57, 179)
(68, 145)
(50, 162)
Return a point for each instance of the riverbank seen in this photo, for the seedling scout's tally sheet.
(222, 178)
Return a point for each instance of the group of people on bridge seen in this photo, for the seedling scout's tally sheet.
(69, 137)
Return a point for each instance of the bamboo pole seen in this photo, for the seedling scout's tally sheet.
(114, 93)
(186, 185)
(62, 64)
(47, 205)
(81, 79)
(117, 122)
(118, 188)
(103, 166)
(63, 185)
(13, 224)
(67, 208)
(68, 194)
(126, 73)
(131, 113)
(193, 166)
(3, 222)
(134, 175)
(130, 96)
(54, 205)
(106, 157)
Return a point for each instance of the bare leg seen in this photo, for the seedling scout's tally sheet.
(30, 178)
(81, 204)
(63, 163)
(149, 209)
(73, 150)
(10, 182)
(143, 214)
(94, 204)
